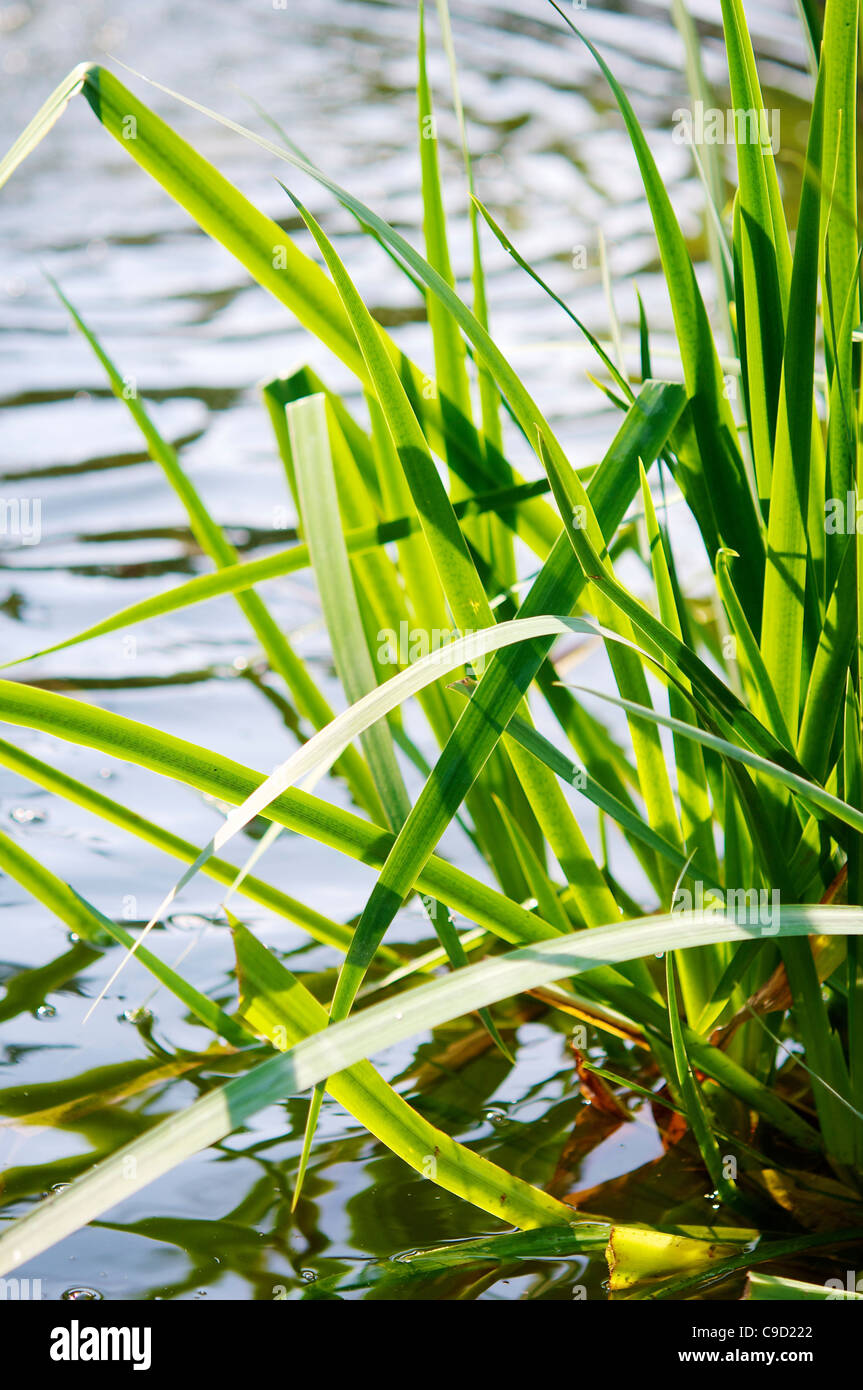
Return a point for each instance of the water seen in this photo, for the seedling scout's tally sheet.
(182, 319)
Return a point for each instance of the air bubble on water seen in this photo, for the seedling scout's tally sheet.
(495, 1115)
(25, 815)
(189, 921)
(136, 1016)
(45, 1011)
(81, 1295)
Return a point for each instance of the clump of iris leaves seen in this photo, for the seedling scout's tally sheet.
(738, 775)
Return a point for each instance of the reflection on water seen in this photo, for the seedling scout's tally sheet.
(181, 318)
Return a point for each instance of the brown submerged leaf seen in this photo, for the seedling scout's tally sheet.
(597, 1091)
(817, 1202)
